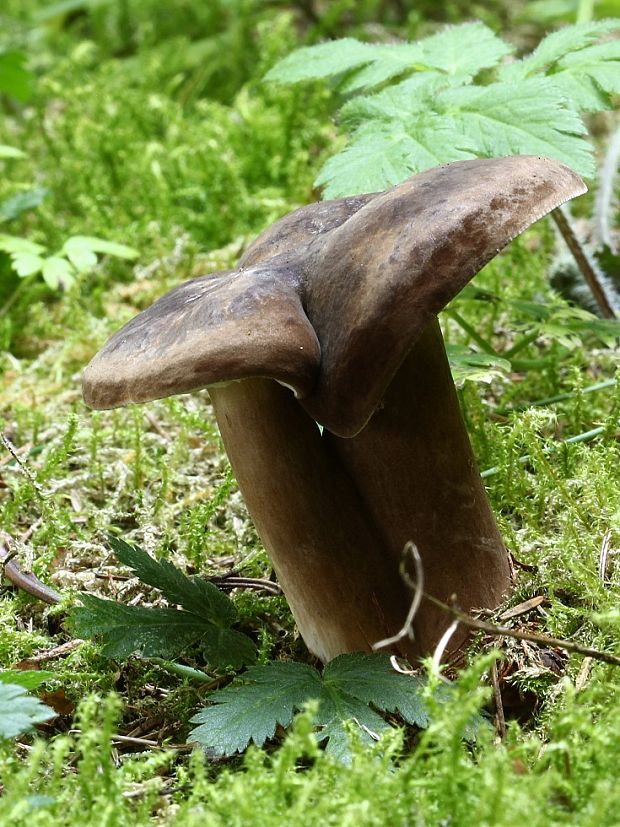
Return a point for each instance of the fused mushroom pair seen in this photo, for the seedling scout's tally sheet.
(330, 318)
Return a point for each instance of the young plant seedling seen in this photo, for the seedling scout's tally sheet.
(330, 318)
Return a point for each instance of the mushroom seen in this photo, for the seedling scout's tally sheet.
(327, 372)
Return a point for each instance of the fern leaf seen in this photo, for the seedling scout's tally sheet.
(325, 60)
(20, 712)
(195, 595)
(459, 51)
(527, 118)
(588, 78)
(555, 47)
(381, 155)
(250, 711)
(352, 688)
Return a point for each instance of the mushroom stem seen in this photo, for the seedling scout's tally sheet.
(328, 556)
(415, 471)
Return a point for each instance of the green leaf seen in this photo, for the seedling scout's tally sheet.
(556, 46)
(100, 245)
(400, 102)
(26, 264)
(194, 594)
(568, 324)
(80, 255)
(15, 80)
(323, 61)
(250, 709)
(26, 678)
(469, 366)
(11, 152)
(129, 630)
(20, 712)
(529, 118)
(590, 77)
(58, 273)
(462, 50)
(373, 679)
(383, 154)
(22, 202)
(204, 619)
(14, 244)
(227, 647)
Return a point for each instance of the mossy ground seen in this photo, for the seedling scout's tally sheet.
(137, 142)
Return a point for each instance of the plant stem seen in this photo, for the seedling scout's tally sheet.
(586, 267)
(559, 397)
(473, 333)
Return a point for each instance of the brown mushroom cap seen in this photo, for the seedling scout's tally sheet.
(213, 329)
(378, 279)
(330, 300)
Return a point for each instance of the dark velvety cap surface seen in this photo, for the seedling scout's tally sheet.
(213, 329)
(374, 282)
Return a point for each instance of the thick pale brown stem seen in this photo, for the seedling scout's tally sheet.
(416, 474)
(345, 592)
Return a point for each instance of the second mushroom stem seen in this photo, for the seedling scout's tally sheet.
(335, 513)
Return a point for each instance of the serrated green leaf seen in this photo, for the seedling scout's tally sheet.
(400, 102)
(26, 678)
(100, 245)
(196, 596)
(322, 61)
(20, 712)
(249, 711)
(567, 324)
(58, 273)
(372, 679)
(162, 632)
(590, 77)
(555, 46)
(462, 50)
(227, 648)
(525, 118)
(383, 154)
(351, 685)
(469, 366)
(82, 259)
(129, 630)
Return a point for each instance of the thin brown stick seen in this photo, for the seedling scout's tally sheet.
(503, 631)
(226, 581)
(26, 581)
(489, 628)
(57, 652)
(586, 267)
